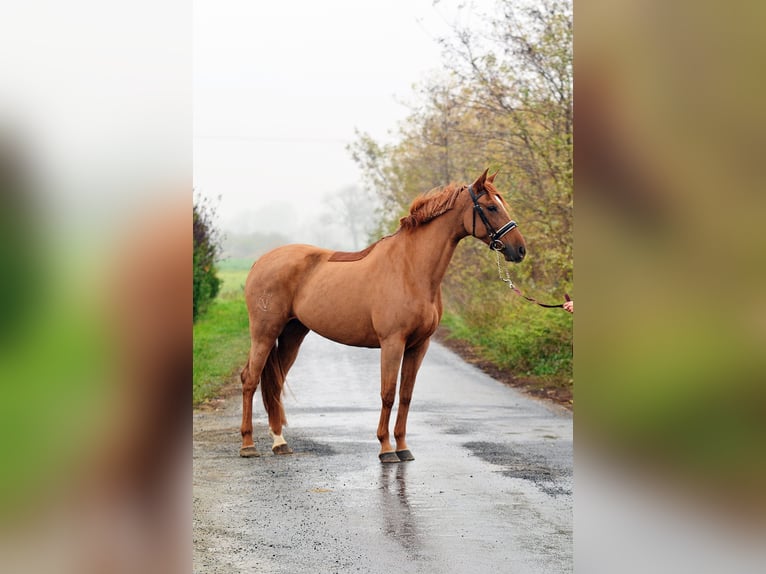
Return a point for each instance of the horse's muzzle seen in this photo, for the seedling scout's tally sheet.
(514, 253)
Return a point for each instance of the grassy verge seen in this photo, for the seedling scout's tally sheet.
(221, 339)
(531, 347)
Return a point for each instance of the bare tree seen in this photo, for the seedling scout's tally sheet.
(353, 211)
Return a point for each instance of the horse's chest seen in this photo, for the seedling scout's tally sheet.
(427, 321)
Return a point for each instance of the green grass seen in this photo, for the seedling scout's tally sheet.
(235, 264)
(522, 339)
(232, 283)
(221, 339)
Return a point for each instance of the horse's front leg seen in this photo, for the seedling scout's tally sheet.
(391, 351)
(413, 358)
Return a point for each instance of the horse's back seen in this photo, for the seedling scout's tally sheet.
(295, 255)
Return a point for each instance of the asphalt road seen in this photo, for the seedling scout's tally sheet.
(490, 489)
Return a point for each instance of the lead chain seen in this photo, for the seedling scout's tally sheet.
(503, 273)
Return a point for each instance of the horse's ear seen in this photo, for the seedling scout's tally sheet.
(491, 178)
(479, 183)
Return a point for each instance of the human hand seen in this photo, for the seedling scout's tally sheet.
(569, 306)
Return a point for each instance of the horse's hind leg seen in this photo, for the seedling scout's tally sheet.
(275, 373)
(250, 376)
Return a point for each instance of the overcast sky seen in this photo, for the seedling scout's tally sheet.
(280, 87)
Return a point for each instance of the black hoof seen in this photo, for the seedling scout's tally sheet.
(248, 452)
(388, 457)
(282, 449)
(404, 455)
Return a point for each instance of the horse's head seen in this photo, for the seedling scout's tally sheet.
(487, 219)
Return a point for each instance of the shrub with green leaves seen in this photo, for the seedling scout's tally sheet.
(517, 336)
(206, 250)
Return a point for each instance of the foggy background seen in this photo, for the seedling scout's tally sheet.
(278, 95)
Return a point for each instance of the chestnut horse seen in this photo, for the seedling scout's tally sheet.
(387, 296)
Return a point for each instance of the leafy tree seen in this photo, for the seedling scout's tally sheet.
(207, 246)
(504, 102)
(519, 86)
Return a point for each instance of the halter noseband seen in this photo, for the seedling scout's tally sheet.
(494, 236)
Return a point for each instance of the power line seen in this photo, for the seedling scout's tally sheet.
(272, 139)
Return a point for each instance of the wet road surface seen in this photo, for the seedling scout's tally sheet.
(490, 489)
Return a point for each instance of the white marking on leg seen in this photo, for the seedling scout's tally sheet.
(278, 439)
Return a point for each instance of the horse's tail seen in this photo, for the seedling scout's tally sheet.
(272, 380)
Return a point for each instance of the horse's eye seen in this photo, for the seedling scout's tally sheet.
(491, 208)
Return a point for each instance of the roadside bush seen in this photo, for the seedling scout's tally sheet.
(517, 336)
(207, 246)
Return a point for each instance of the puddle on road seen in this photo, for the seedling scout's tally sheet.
(527, 464)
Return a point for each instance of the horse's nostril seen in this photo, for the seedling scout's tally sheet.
(522, 251)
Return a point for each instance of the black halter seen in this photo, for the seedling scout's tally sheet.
(494, 236)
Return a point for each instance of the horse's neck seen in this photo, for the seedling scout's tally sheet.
(430, 248)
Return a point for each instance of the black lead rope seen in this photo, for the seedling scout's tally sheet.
(560, 305)
(512, 287)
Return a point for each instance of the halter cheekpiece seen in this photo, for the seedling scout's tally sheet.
(494, 236)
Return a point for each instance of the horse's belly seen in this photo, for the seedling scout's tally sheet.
(347, 308)
(349, 330)
(348, 337)
(339, 321)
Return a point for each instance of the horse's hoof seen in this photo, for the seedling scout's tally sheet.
(248, 452)
(405, 455)
(388, 457)
(282, 449)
